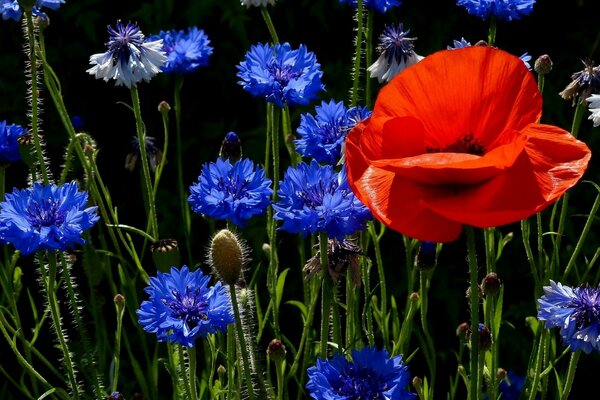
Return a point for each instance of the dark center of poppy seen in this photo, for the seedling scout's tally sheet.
(587, 306)
(45, 214)
(467, 144)
(189, 306)
(360, 384)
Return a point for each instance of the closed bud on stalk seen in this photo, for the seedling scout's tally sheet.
(543, 64)
(501, 373)
(165, 254)
(227, 256)
(490, 284)
(276, 350)
(164, 107)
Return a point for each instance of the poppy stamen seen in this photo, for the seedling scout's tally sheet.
(467, 144)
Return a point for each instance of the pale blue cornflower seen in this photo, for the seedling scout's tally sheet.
(130, 57)
(594, 101)
(396, 51)
(9, 147)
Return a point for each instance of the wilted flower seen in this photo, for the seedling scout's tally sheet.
(576, 311)
(182, 307)
(583, 83)
(314, 199)
(379, 5)
(396, 53)
(234, 192)
(506, 10)
(9, 147)
(322, 135)
(130, 57)
(342, 256)
(281, 75)
(186, 50)
(153, 153)
(45, 217)
(439, 153)
(371, 374)
(10, 9)
(594, 101)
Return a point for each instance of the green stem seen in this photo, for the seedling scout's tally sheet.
(183, 373)
(231, 358)
(120, 308)
(242, 343)
(273, 119)
(184, 208)
(269, 22)
(192, 372)
(50, 282)
(382, 282)
(369, 58)
(570, 375)
(34, 97)
(533, 389)
(492, 31)
(326, 294)
(288, 137)
(2, 182)
(474, 389)
(357, 54)
(279, 367)
(141, 135)
(429, 351)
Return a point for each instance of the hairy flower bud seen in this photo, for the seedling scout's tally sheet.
(276, 350)
(490, 284)
(543, 64)
(227, 256)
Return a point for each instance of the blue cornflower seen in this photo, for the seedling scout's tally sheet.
(506, 10)
(379, 5)
(371, 374)
(10, 9)
(322, 135)
(459, 44)
(182, 307)
(9, 148)
(314, 199)
(281, 75)
(186, 50)
(576, 311)
(130, 57)
(45, 217)
(396, 53)
(235, 192)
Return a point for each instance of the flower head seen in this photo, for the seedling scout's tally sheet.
(45, 217)
(10, 9)
(323, 134)
(153, 153)
(130, 57)
(446, 149)
(281, 75)
(182, 307)
(576, 311)
(235, 192)
(594, 101)
(378, 5)
(583, 83)
(257, 3)
(186, 50)
(314, 199)
(371, 374)
(9, 147)
(505, 10)
(396, 53)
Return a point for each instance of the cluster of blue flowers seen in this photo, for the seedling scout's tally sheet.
(322, 135)
(371, 374)
(45, 217)
(182, 307)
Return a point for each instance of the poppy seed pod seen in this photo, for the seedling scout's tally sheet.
(227, 256)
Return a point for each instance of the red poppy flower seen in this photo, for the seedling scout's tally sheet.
(454, 140)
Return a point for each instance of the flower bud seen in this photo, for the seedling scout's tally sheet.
(485, 337)
(164, 107)
(227, 256)
(231, 148)
(417, 382)
(462, 331)
(221, 371)
(414, 297)
(276, 350)
(165, 254)
(490, 284)
(116, 396)
(543, 64)
(501, 373)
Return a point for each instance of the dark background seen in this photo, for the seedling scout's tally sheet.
(213, 104)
